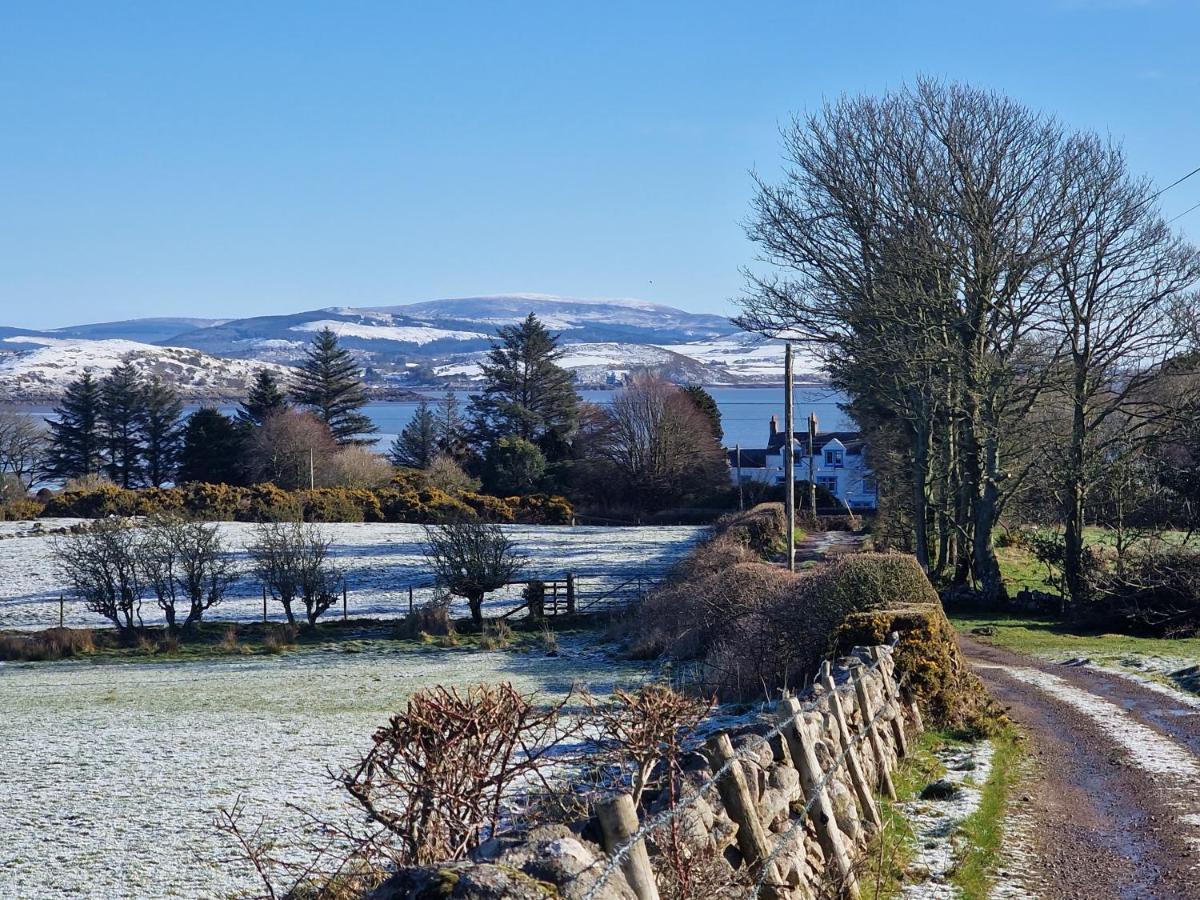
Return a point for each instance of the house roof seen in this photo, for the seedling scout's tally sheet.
(851, 440)
(751, 459)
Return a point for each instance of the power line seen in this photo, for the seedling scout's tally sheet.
(1174, 183)
(1184, 213)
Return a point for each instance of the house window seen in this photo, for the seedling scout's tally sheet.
(829, 482)
(869, 486)
(834, 458)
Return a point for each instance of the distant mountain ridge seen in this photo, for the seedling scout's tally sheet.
(434, 341)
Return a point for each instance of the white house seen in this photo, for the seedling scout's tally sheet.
(839, 464)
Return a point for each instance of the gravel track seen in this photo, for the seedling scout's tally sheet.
(1111, 808)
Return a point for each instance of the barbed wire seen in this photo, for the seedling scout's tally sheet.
(667, 815)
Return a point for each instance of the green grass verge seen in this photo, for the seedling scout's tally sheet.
(983, 830)
(1044, 637)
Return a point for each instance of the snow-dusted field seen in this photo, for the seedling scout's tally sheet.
(113, 773)
(379, 561)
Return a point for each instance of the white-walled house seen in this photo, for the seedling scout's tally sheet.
(839, 459)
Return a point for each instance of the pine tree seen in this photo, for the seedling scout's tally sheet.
(75, 441)
(264, 400)
(161, 431)
(706, 404)
(214, 448)
(121, 394)
(417, 443)
(451, 428)
(329, 384)
(527, 393)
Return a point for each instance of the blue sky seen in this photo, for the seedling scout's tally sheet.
(232, 159)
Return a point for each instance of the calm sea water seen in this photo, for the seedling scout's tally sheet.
(745, 412)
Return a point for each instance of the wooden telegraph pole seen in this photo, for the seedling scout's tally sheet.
(789, 458)
(737, 453)
(812, 474)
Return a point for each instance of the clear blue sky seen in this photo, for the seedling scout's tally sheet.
(231, 159)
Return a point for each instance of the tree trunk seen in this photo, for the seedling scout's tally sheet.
(476, 603)
(920, 486)
(1076, 491)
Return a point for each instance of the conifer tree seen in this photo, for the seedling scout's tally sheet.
(451, 427)
(706, 404)
(75, 441)
(264, 399)
(417, 443)
(121, 397)
(161, 431)
(214, 448)
(329, 384)
(527, 394)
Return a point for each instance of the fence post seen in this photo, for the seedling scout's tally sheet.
(618, 823)
(570, 593)
(804, 757)
(61, 610)
(862, 790)
(911, 701)
(343, 599)
(892, 697)
(739, 803)
(410, 602)
(864, 705)
(264, 603)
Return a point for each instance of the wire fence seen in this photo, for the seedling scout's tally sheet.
(814, 794)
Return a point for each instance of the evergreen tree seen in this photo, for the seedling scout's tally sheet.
(121, 396)
(417, 443)
(264, 399)
(706, 404)
(451, 428)
(527, 394)
(329, 384)
(161, 431)
(75, 441)
(214, 447)
(514, 467)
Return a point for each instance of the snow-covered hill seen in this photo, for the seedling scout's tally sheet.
(43, 372)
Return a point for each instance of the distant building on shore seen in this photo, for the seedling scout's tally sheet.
(839, 464)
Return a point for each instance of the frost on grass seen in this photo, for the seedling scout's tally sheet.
(379, 560)
(114, 773)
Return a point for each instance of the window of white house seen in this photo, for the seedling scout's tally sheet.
(829, 482)
(834, 458)
(868, 486)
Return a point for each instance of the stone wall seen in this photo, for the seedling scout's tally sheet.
(782, 793)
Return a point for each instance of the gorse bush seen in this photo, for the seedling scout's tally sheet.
(407, 499)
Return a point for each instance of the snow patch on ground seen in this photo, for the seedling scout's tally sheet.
(380, 561)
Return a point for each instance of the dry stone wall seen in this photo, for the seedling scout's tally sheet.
(780, 807)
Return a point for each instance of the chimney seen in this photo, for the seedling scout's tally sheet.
(774, 425)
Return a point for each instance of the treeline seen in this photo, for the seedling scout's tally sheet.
(525, 435)
(1007, 308)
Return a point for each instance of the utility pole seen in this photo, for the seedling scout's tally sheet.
(789, 458)
(812, 455)
(312, 479)
(737, 455)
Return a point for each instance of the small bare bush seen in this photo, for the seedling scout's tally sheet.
(471, 558)
(496, 635)
(432, 618)
(102, 566)
(53, 643)
(187, 566)
(293, 562)
(442, 772)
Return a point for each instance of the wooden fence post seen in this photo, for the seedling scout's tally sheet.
(344, 600)
(740, 805)
(264, 604)
(61, 610)
(570, 593)
(410, 600)
(618, 823)
(892, 698)
(804, 757)
(864, 705)
(862, 790)
(911, 700)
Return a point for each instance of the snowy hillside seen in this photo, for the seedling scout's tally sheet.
(43, 372)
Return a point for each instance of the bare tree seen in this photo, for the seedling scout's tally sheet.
(292, 560)
(186, 565)
(291, 449)
(471, 558)
(659, 446)
(24, 442)
(101, 563)
(357, 467)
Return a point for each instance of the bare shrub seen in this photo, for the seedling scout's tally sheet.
(229, 640)
(279, 638)
(357, 467)
(291, 449)
(432, 618)
(445, 474)
(53, 643)
(292, 560)
(101, 565)
(496, 635)
(185, 564)
(471, 558)
(441, 773)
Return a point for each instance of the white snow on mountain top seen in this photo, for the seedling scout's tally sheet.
(413, 334)
(46, 371)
